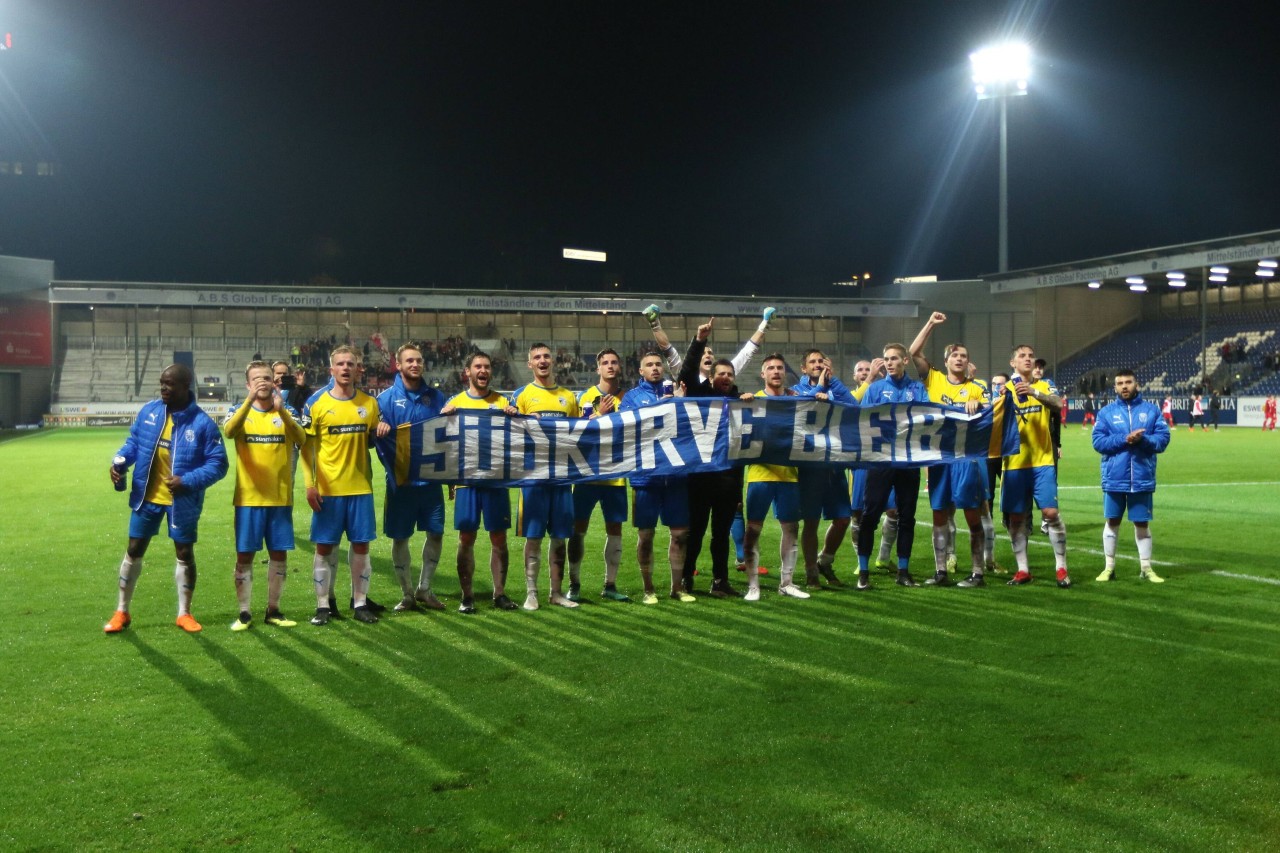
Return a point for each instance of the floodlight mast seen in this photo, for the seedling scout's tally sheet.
(1001, 72)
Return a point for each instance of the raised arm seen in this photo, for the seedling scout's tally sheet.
(917, 346)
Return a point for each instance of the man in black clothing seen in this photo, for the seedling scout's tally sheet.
(713, 496)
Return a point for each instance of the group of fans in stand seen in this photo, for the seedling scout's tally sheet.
(177, 453)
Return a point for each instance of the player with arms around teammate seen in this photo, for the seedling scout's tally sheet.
(959, 485)
(824, 491)
(1031, 475)
(714, 496)
(339, 480)
(410, 502)
(176, 452)
(658, 496)
(265, 434)
(472, 503)
(775, 486)
(545, 508)
(902, 483)
(600, 399)
(1129, 433)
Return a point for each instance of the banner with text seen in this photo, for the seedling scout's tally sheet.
(689, 435)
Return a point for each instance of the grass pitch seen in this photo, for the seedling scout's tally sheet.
(1121, 715)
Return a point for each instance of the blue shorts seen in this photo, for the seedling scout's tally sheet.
(144, 523)
(413, 506)
(961, 485)
(825, 492)
(858, 498)
(1140, 505)
(349, 514)
(612, 500)
(783, 497)
(668, 501)
(254, 524)
(546, 510)
(470, 503)
(1023, 485)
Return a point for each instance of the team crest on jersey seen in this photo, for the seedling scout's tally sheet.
(562, 401)
(1142, 416)
(361, 412)
(276, 422)
(189, 435)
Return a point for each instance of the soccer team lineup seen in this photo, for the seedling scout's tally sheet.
(175, 452)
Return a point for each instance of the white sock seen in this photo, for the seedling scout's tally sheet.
(825, 560)
(321, 578)
(1058, 539)
(277, 573)
(940, 548)
(612, 557)
(183, 579)
(430, 559)
(951, 537)
(532, 568)
(1144, 549)
(1018, 538)
(129, 571)
(988, 539)
(888, 538)
(1109, 546)
(753, 566)
(400, 562)
(244, 586)
(361, 572)
(787, 549)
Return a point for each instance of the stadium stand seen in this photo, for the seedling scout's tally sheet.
(1168, 359)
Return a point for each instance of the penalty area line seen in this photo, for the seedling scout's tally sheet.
(1220, 573)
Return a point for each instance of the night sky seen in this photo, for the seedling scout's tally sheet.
(714, 147)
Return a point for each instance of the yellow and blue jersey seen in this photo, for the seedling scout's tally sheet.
(162, 464)
(759, 473)
(1033, 428)
(338, 436)
(941, 389)
(264, 444)
(553, 402)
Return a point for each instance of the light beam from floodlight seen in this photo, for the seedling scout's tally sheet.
(1001, 72)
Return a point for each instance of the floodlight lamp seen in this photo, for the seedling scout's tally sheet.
(1175, 275)
(1138, 288)
(1134, 279)
(1001, 69)
(1095, 285)
(1219, 270)
(1177, 282)
(1218, 278)
(1268, 264)
(1265, 273)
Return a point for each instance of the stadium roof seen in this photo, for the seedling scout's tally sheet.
(1238, 257)
(277, 296)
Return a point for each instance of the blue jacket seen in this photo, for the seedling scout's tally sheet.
(1129, 467)
(646, 394)
(399, 405)
(196, 454)
(890, 390)
(837, 391)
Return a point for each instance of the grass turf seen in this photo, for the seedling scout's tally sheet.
(1121, 715)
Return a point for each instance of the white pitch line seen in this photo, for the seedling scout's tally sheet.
(1181, 485)
(1221, 573)
(1074, 549)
